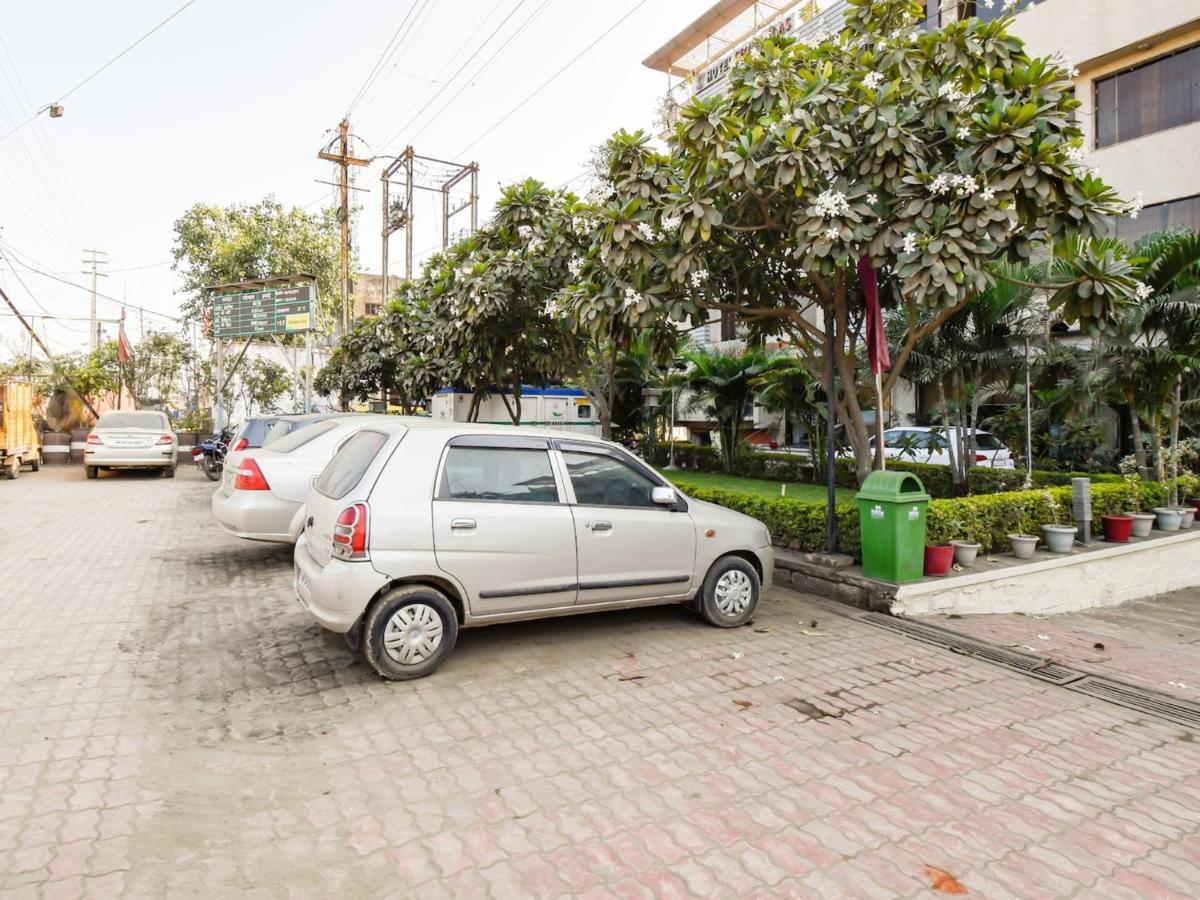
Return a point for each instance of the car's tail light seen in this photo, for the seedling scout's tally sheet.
(242, 444)
(250, 478)
(93, 438)
(350, 533)
(979, 457)
(165, 439)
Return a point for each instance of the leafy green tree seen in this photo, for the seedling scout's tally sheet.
(157, 363)
(723, 385)
(790, 388)
(261, 383)
(936, 155)
(239, 242)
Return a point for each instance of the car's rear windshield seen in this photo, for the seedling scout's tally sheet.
(132, 420)
(350, 463)
(255, 431)
(301, 436)
(985, 441)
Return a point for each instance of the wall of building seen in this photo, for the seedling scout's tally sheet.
(369, 296)
(1103, 38)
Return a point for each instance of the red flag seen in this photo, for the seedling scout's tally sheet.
(877, 347)
(124, 351)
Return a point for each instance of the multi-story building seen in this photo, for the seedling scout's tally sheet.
(368, 294)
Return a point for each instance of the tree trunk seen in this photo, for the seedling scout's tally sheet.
(1139, 443)
(1156, 436)
(514, 408)
(476, 402)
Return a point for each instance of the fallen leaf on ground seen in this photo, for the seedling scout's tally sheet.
(761, 630)
(812, 624)
(1097, 646)
(631, 678)
(744, 704)
(941, 880)
(809, 633)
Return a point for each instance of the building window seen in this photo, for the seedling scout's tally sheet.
(1151, 97)
(372, 309)
(583, 411)
(985, 11)
(1182, 213)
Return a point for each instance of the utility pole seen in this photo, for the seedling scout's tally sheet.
(95, 263)
(344, 161)
(438, 176)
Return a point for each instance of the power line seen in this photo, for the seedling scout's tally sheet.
(520, 29)
(457, 72)
(384, 75)
(25, 260)
(62, 97)
(384, 57)
(541, 87)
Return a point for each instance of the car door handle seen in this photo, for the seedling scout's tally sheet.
(462, 524)
(600, 526)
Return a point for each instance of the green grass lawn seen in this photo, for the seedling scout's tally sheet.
(757, 487)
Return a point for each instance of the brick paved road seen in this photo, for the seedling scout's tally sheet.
(1151, 642)
(171, 724)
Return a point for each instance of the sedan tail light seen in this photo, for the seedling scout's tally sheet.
(250, 478)
(165, 439)
(242, 444)
(979, 457)
(93, 438)
(350, 533)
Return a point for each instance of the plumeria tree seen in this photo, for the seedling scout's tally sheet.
(934, 155)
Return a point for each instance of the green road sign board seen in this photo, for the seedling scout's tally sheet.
(253, 313)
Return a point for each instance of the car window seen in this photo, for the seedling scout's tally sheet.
(132, 420)
(608, 481)
(985, 441)
(498, 473)
(349, 464)
(895, 439)
(301, 436)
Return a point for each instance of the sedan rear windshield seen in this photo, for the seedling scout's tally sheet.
(349, 464)
(986, 441)
(132, 420)
(301, 436)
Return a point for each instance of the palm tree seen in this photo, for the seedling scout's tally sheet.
(723, 385)
(788, 387)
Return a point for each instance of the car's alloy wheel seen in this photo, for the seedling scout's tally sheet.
(409, 632)
(729, 594)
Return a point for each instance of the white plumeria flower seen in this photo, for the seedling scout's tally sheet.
(873, 80)
(672, 223)
(939, 185)
(872, 199)
(963, 132)
(987, 194)
(645, 231)
(699, 277)
(631, 297)
(832, 203)
(966, 185)
(910, 242)
(1144, 291)
(1136, 206)
(1075, 154)
(1010, 5)
(832, 234)
(525, 232)
(990, 4)
(575, 266)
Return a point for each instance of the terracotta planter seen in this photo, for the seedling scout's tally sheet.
(1117, 528)
(1187, 517)
(1142, 523)
(1166, 518)
(1059, 538)
(938, 559)
(965, 553)
(1023, 545)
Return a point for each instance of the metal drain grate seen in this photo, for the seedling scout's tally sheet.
(1181, 712)
(1036, 666)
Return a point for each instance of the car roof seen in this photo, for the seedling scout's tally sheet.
(453, 429)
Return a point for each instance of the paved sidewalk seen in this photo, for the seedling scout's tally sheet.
(1155, 643)
(172, 724)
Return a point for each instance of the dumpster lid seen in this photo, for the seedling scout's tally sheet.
(900, 486)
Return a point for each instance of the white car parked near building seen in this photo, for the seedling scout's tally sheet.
(417, 528)
(132, 439)
(932, 445)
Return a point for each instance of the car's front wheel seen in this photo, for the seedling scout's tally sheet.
(730, 592)
(409, 632)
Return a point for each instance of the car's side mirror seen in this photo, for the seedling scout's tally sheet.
(663, 496)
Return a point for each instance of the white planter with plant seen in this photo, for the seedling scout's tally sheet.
(1167, 518)
(1059, 538)
(1187, 516)
(965, 553)
(1023, 545)
(1142, 522)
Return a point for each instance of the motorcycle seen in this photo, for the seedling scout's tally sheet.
(209, 457)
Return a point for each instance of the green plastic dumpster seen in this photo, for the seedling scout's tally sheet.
(891, 510)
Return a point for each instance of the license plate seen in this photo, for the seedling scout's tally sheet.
(129, 443)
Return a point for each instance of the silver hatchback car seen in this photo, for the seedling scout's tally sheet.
(417, 528)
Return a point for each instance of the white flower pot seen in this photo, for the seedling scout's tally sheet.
(1167, 518)
(1023, 545)
(1142, 523)
(965, 553)
(1059, 538)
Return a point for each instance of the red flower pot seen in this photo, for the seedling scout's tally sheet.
(938, 560)
(1196, 503)
(1117, 528)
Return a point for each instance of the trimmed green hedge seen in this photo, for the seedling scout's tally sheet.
(793, 467)
(986, 518)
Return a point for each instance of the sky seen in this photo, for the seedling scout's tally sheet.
(231, 100)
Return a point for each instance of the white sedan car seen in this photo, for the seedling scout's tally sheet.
(263, 500)
(932, 445)
(137, 439)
